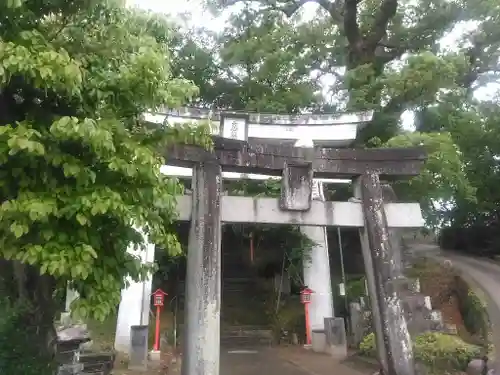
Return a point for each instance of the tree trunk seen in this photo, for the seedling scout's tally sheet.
(27, 314)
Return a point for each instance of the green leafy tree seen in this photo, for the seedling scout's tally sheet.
(80, 176)
(442, 179)
(263, 54)
(474, 129)
(389, 56)
(254, 64)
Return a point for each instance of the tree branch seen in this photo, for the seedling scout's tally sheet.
(332, 7)
(384, 14)
(386, 53)
(351, 27)
(64, 24)
(290, 7)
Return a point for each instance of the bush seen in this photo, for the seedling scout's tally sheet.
(21, 351)
(480, 240)
(474, 313)
(435, 350)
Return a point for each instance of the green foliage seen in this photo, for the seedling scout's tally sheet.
(283, 313)
(438, 351)
(375, 58)
(356, 289)
(442, 179)
(80, 171)
(20, 351)
(255, 188)
(475, 316)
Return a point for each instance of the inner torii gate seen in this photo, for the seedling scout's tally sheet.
(207, 208)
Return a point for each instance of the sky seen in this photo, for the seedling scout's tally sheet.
(198, 15)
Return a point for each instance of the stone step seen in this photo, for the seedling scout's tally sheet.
(245, 342)
(243, 335)
(246, 336)
(245, 330)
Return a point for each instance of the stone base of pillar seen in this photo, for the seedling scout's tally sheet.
(337, 352)
(155, 356)
(318, 341)
(336, 338)
(332, 340)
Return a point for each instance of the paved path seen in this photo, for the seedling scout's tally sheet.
(286, 361)
(262, 362)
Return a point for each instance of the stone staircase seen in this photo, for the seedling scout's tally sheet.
(243, 318)
(239, 337)
(243, 312)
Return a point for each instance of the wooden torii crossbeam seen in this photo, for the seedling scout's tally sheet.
(298, 166)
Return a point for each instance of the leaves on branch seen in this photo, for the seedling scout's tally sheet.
(80, 180)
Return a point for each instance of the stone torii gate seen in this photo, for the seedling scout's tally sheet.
(302, 130)
(207, 208)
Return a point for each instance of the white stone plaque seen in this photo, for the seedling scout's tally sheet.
(427, 302)
(234, 128)
(341, 289)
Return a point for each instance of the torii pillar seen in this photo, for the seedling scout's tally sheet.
(393, 340)
(201, 337)
(316, 263)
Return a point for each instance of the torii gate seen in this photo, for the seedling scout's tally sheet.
(207, 209)
(331, 130)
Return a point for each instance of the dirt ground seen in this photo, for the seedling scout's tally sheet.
(264, 361)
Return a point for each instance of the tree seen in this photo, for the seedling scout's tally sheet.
(389, 56)
(474, 128)
(254, 64)
(365, 39)
(80, 177)
(442, 178)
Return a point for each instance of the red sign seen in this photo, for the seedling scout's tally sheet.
(305, 295)
(159, 297)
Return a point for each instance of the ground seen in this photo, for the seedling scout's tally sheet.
(271, 361)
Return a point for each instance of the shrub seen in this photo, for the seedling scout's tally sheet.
(367, 347)
(475, 315)
(481, 240)
(435, 350)
(17, 356)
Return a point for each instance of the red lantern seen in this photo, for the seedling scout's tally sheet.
(159, 297)
(305, 298)
(305, 295)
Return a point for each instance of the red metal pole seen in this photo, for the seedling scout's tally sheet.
(157, 330)
(308, 327)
